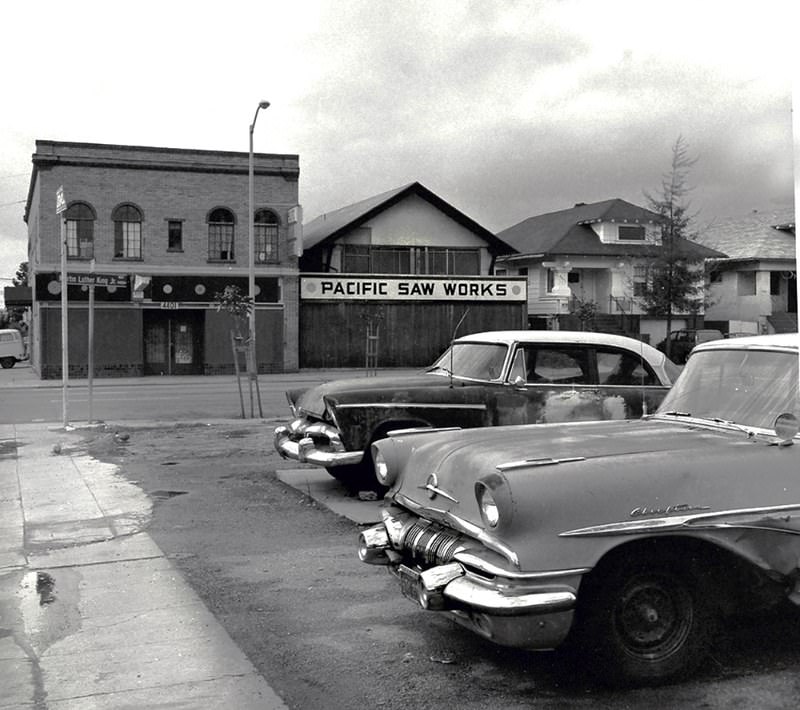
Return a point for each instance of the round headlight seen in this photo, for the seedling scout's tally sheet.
(384, 461)
(381, 467)
(490, 513)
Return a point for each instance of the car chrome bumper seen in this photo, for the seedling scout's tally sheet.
(516, 611)
(315, 443)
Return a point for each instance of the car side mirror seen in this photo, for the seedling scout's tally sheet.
(519, 382)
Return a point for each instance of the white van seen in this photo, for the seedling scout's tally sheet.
(12, 348)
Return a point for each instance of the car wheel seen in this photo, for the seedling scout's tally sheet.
(7, 362)
(358, 477)
(361, 476)
(645, 622)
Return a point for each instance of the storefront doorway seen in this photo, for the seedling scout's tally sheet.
(173, 342)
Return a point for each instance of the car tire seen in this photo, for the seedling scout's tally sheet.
(355, 477)
(645, 622)
(7, 362)
(359, 476)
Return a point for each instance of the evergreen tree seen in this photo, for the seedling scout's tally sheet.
(674, 283)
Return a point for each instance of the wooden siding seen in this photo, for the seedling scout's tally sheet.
(410, 334)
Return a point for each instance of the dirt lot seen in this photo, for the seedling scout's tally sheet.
(326, 631)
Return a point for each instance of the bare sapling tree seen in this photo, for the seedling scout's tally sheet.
(233, 301)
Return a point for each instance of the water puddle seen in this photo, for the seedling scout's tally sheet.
(48, 606)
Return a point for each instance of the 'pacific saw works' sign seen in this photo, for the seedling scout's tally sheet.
(353, 288)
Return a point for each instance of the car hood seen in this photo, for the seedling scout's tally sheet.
(593, 473)
(486, 449)
(312, 400)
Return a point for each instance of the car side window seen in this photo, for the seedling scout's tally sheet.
(518, 368)
(619, 367)
(557, 364)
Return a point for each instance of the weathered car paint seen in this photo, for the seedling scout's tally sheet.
(433, 401)
(365, 409)
(564, 496)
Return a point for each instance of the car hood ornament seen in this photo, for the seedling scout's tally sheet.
(432, 486)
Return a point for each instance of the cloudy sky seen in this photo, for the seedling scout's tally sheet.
(503, 108)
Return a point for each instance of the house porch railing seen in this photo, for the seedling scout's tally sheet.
(621, 304)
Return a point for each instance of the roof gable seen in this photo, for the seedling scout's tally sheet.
(569, 232)
(330, 226)
(757, 235)
(569, 229)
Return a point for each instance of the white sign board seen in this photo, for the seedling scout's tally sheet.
(411, 288)
(61, 203)
(97, 280)
(295, 214)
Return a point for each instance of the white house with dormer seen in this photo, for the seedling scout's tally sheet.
(753, 289)
(596, 254)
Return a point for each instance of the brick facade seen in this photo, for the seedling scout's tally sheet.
(163, 184)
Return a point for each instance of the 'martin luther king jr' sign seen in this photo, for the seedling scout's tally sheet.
(412, 288)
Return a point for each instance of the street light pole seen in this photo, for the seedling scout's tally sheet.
(251, 273)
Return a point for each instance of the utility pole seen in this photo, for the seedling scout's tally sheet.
(61, 207)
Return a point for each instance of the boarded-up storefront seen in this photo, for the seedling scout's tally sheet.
(412, 318)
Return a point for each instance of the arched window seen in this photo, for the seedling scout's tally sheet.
(220, 235)
(127, 232)
(80, 219)
(265, 232)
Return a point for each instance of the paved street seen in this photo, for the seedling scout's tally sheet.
(25, 398)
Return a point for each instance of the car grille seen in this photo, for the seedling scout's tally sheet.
(429, 544)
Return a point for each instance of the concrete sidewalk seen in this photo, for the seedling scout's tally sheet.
(92, 614)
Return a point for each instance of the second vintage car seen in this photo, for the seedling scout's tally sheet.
(631, 538)
(484, 379)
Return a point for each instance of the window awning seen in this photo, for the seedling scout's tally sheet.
(17, 296)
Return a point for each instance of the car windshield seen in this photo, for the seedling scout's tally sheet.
(479, 361)
(749, 387)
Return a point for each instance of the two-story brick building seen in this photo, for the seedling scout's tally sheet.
(171, 227)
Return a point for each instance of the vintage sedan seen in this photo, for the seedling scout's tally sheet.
(630, 539)
(486, 379)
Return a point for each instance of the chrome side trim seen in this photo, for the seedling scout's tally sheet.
(548, 461)
(423, 430)
(462, 526)
(471, 560)
(411, 405)
(700, 520)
